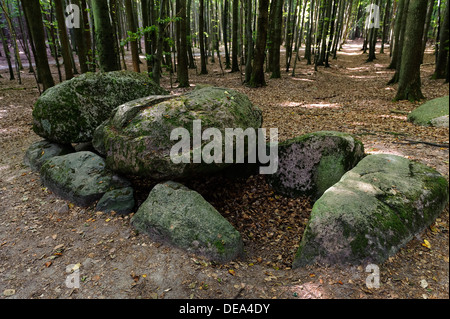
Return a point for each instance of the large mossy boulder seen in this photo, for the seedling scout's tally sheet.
(80, 177)
(137, 139)
(181, 217)
(310, 164)
(432, 113)
(70, 111)
(41, 151)
(374, 210)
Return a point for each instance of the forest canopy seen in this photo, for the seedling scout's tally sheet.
(164, 38)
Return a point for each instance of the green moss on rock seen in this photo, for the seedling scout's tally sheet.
(70, 111)
(374, 210)
(432, 113)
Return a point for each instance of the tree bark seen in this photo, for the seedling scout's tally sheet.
(249, 37)
(63, 38)
(235, 43)
(276, 40)
(201, 34)
(34, 17)
(257, 78)
(81, 44)
(183, 73)
(441, 62)
(133, 43)
(104, 37)
(409, 87)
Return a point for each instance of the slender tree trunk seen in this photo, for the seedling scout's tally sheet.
(310, 31)
(373, 40)
(441, 63)
(62, 31)
(400, 43)
(409, 86)
(427, 27)
(34, 17)
(395, 46)
(133, 43)
(201, 34)
(289, 33)
(257, 78)
(81, 44)
(235, 46)
(249, 37)
(87, 37)
(331, 34)
(7, 54)
(225, 18)
(147, 43)
(104, 37)
(387, 14)
(157, 62)
(276, 40)
(189, 36)
(183, 73)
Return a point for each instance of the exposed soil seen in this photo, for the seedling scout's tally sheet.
(41, 234)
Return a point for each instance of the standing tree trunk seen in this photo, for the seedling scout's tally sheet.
(105, 44)
(133, 42)
(387, 14)
(400, 44)
(7, 54)
(32, 10)
(276, 40)
(189, 36)
(183, 73)
(309, 36)
(225, 18)
(201, 38)
(147, 42)
(235, 44)
(441, 63)
(64, 39)
(257, 78)
(290, 20)
(373, 40)
(427, 26)
(157, 61)
(395, 46)
(409, 87)
(249, 37)
(81, 44)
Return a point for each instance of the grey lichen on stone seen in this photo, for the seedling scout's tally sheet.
(181, 217)
(311, 163)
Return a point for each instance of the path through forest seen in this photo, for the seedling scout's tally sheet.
(40, 234)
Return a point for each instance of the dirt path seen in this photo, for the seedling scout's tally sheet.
(41, 235)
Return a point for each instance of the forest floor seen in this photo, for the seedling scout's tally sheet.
(41, 234)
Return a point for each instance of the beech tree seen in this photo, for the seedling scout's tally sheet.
(105, 44)
(409, 87)
(32, 10)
